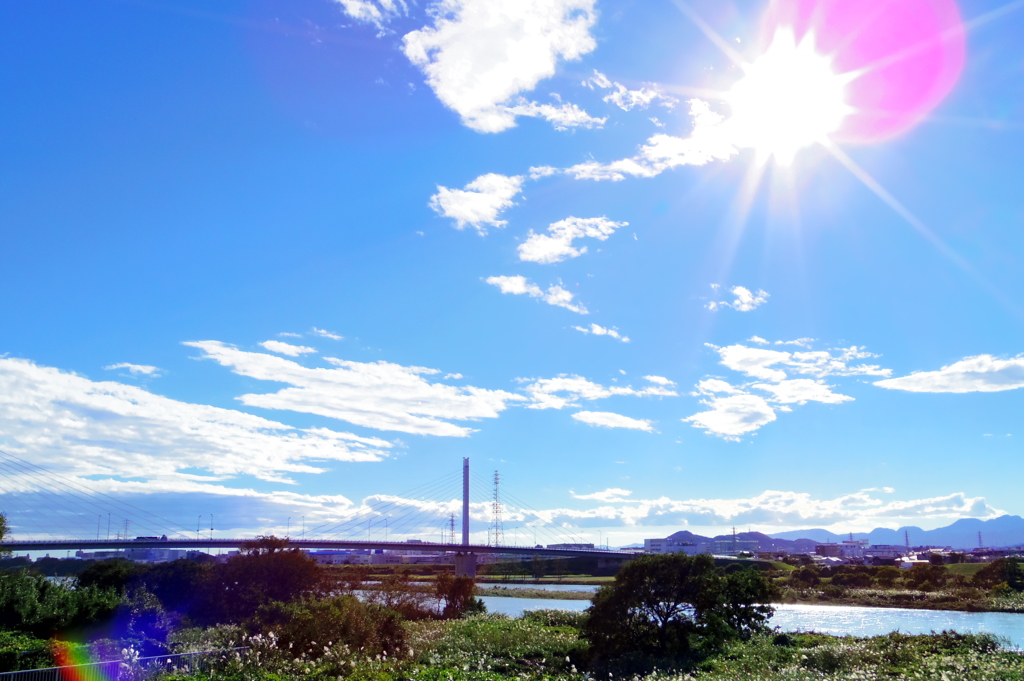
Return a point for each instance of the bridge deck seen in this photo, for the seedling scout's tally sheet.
(206, 544)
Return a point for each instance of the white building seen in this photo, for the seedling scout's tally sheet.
(668, 545)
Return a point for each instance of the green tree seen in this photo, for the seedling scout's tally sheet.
(3, 533)
(456, 595)
(266, 570)
(671, 605)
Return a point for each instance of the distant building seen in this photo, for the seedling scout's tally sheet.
(734, 547)
(668, 545)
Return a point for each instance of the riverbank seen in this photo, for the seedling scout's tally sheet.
(972, 601)
(519, 592)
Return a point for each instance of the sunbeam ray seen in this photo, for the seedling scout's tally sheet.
(921, 228)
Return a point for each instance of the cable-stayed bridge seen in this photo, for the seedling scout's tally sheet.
(50, 512)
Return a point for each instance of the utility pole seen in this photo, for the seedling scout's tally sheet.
(496, 512)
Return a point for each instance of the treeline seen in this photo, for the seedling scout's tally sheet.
(267, 588)
(1004, 574)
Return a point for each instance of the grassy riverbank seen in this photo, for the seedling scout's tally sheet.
(526, 592)
(549, 646)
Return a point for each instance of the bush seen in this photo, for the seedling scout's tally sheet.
(21, 651)
(36, 606)
(308, 626)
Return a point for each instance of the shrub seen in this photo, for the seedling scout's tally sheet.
(308, 626)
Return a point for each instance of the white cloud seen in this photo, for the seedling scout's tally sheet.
(537, 172)
(518, 285)
(769, 511)
(802, 391)
(627, 99)
(660, 380)
(136, 369)
(799, 342)
(758, 340)
(478, 55)
(287, 348)
(708, 141)
(377, 395)
(108, 428)
(607, 419)
(556, 245)
(733, 416)
(566, 390)
(982, 373)
(376, 12)
(480, 203)
(610, 494)
(326, 334)
(599, 330)
(289, 334)
(771, 365)
(562, 116)
(734, 411)
(744, 301)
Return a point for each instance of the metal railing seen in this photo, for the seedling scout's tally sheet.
(121, 670)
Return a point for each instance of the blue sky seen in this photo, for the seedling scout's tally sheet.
(273, 259)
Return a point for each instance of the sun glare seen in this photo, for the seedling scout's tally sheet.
(789, 98)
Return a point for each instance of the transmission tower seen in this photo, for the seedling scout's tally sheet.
(496, 513)
(451, 529)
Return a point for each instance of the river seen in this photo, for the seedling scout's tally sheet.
(841, 620)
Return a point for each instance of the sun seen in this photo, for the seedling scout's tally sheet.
(789, 98)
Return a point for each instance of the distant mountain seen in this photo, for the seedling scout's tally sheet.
(1007, 530)
(765, 542)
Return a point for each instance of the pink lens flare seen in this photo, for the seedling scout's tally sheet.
(910, 53)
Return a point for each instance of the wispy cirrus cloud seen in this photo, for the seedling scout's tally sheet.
(479, 55)
(598, 330)
(375, 12)
(518, 285)
(283, 348)
(379, 395)
(479, 204)
(627, 99)
(107, 428)
(607, 419)
(981, 373)
(568, 390)
(135, 369)
(557, 245)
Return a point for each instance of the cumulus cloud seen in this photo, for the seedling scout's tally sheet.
(287, 348)
(108, 428)
(737, 410)
(744, 300)
(376, 12)
(378, 395)
(732, 416)
(660, 380)
(478, 204)
(982, 373)
(708, 141)
(479, 55)
(135, 369)
(556, 245)
(519, 285)
(567, 390)
(770, 511)
(627, 99)
(599, 330)
(607, 419)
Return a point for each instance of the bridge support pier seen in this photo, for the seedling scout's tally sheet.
(465, 565)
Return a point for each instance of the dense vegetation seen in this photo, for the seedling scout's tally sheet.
(295, 619)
